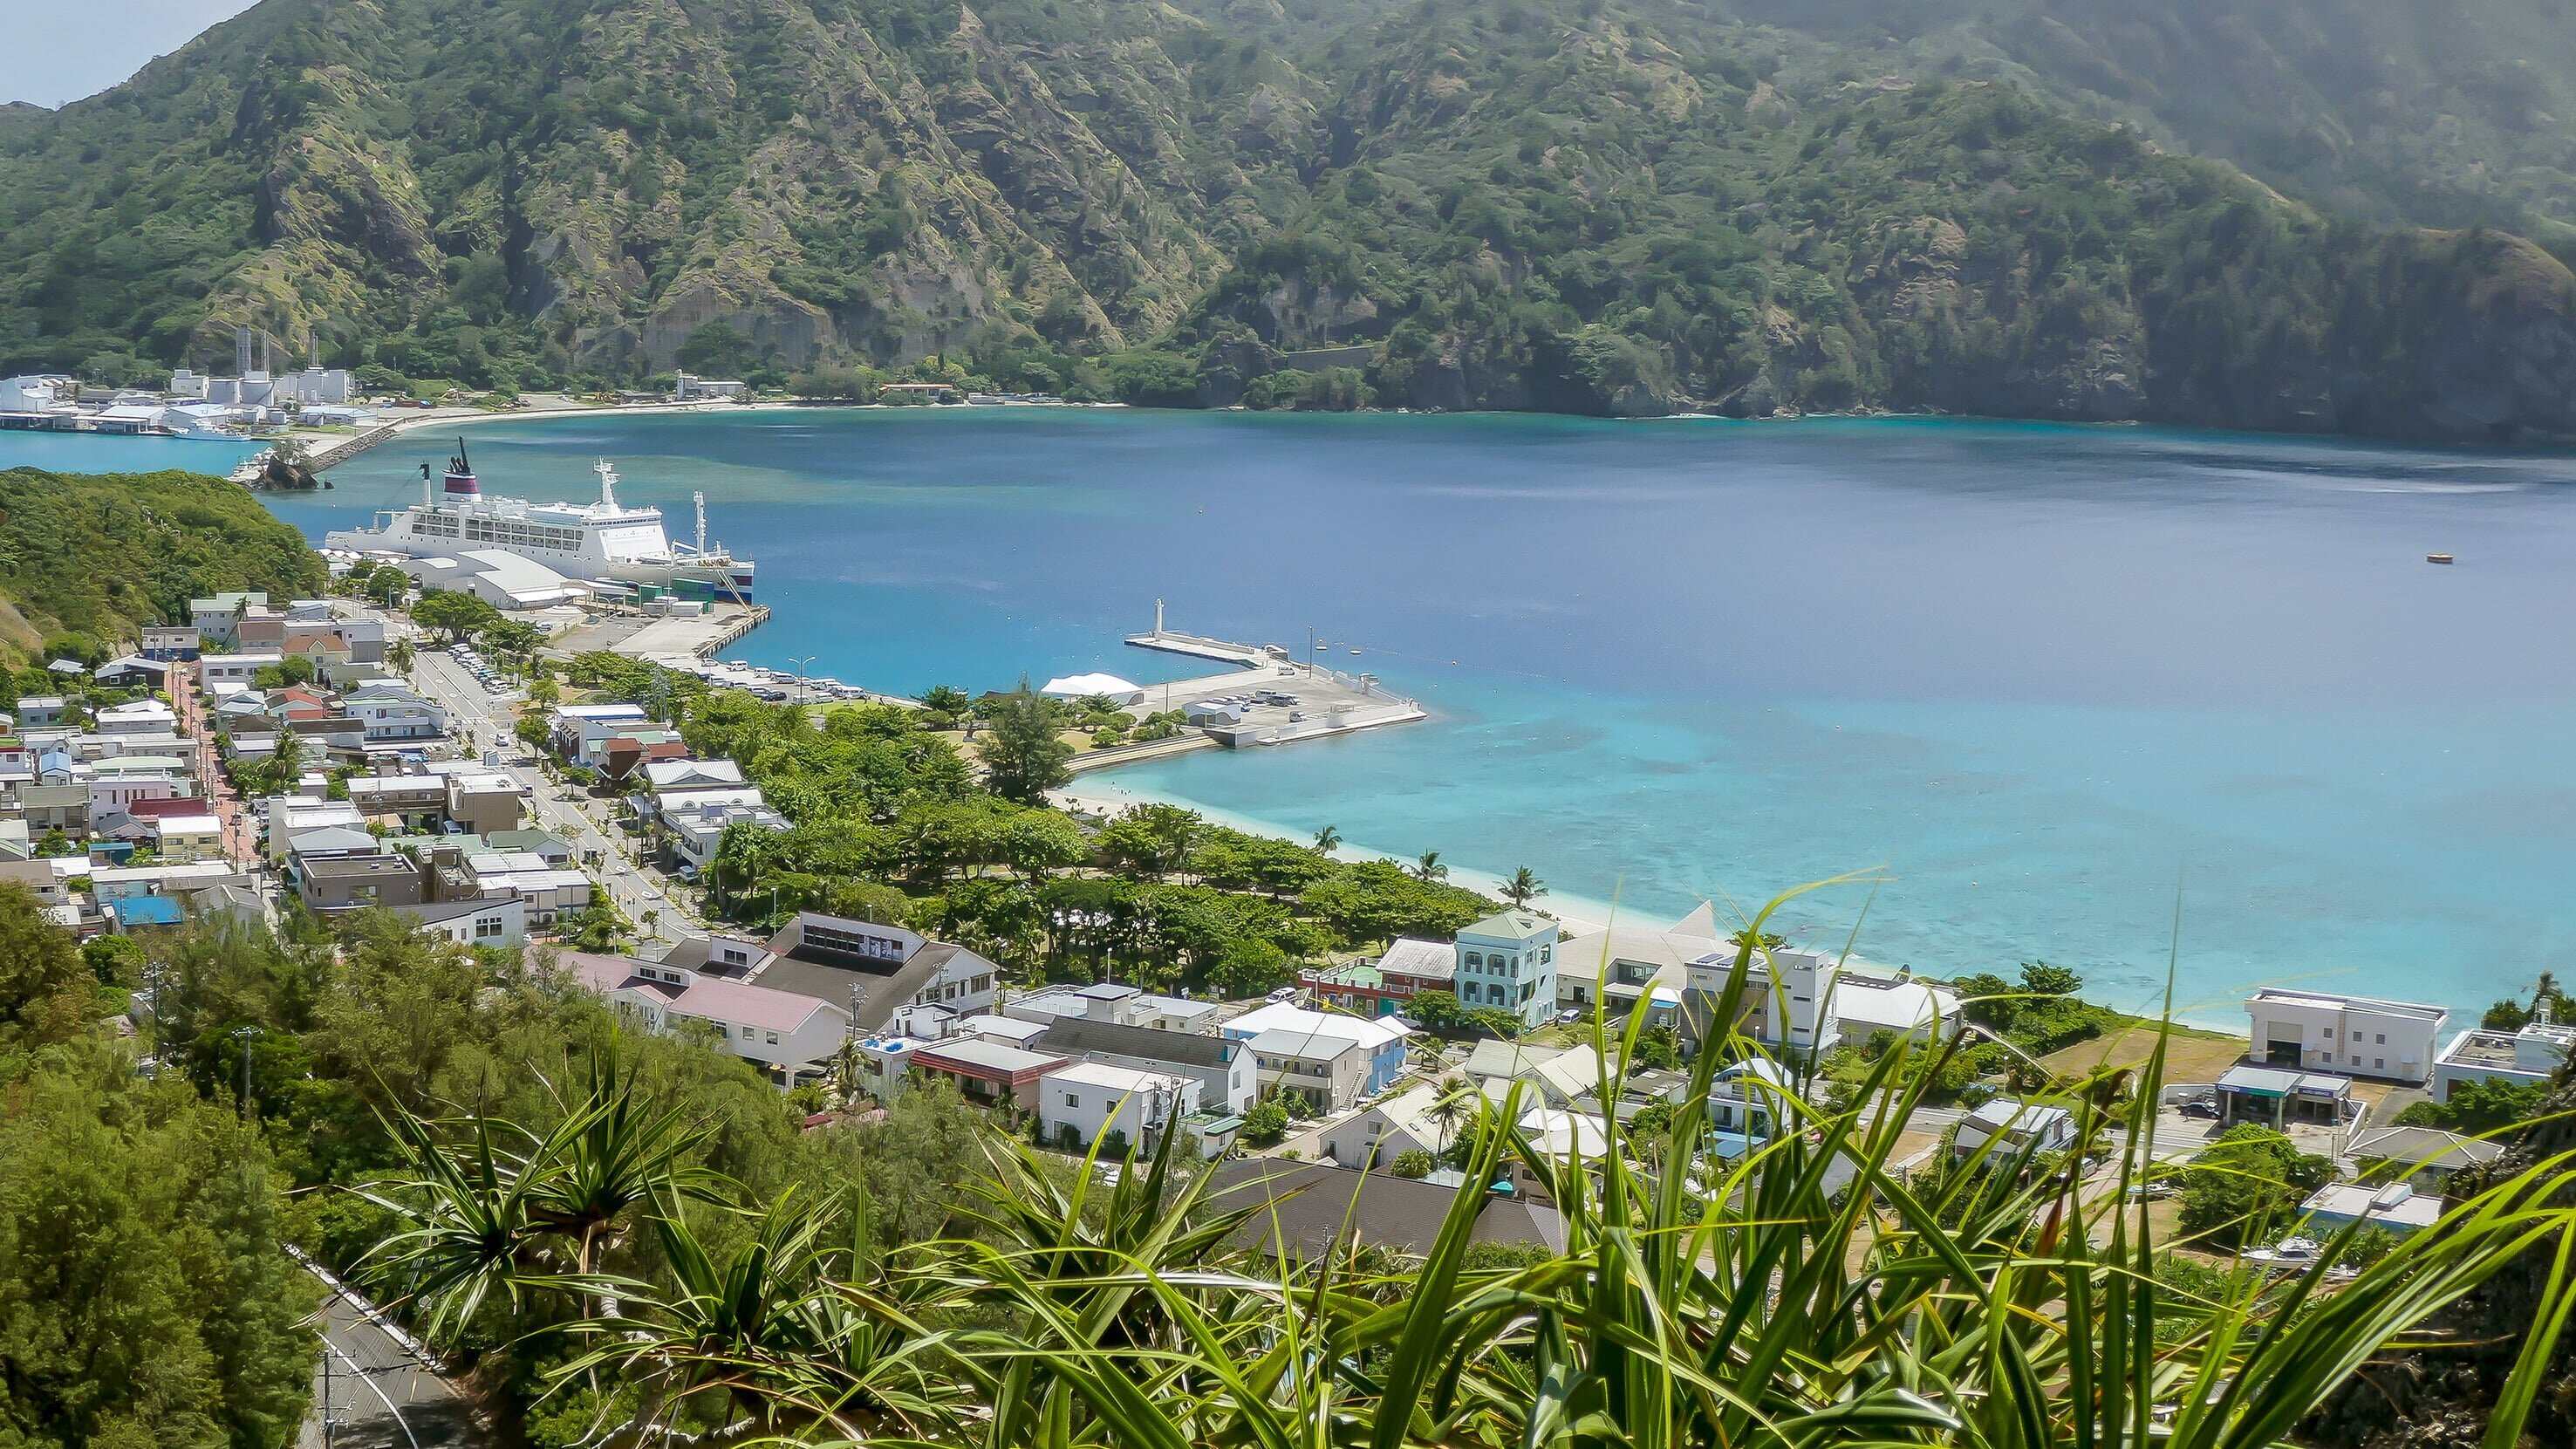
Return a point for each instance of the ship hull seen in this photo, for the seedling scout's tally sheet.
(723, 579)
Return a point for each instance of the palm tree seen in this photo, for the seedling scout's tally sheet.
(1450, 1110)
(1429, 869)
(1523, 887)
(1327, 840)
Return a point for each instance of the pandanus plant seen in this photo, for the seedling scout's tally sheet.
(790, 1331)
(490, 1206)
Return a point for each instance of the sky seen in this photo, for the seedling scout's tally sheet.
(59, 53)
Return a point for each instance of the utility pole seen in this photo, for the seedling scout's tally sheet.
(330, 1426)
(244, 1036)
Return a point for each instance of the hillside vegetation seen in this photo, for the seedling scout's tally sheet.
(87, 560)
(1602, 206)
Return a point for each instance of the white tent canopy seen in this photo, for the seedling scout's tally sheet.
(1083, 686)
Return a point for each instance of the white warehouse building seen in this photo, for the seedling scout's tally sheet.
(2353, 1036)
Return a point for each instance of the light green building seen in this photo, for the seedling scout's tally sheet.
(1509, 961)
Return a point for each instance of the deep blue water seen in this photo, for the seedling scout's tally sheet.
(2044, 679)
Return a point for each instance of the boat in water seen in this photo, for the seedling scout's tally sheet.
(604, 542)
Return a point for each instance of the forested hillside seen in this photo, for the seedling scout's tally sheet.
(2440, 112)
(87, 560)
(1605, 206)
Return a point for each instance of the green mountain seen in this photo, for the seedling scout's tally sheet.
(2438, 112)
(87, 560)
(1610, 206)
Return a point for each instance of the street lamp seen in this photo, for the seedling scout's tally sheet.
(800, 676)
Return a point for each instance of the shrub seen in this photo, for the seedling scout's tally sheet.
(1413, 1163)
(2247, 1186)
(1265, 1124)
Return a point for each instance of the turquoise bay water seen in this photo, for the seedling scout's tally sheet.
(108, 453)
(2045, 681)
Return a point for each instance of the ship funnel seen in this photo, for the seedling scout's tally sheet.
(702, 522)
(460, 481)
(607, 483)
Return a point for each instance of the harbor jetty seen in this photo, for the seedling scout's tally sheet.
(1269, 698)
(1198, 647)
(338, 450)
(674, 639)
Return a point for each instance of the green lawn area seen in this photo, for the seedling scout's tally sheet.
(2192, 1053)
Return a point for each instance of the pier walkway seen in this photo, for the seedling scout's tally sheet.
(1273, 699)
(667, 640)
(1200, 647)
(338, 450)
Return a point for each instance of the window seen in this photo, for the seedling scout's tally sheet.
(2356, 1036)
(1547, 953)
(1475, 959)
(2327, 1032)
(746, 1033)
(773, 1038)
(2382, 1041)
(2328, 1057)
(2379, 1063)
(1072, 1099)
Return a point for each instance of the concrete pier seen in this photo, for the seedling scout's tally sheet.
(1199, 647)
(338, 450)
(666, 639)
(1305, 701)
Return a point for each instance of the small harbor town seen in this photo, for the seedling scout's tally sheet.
(320, 757)
(502, 729)
(1464, 724)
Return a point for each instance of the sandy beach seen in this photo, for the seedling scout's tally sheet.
(1101, 794)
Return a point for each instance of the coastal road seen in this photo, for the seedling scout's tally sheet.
(381, 1396)
(485, 722)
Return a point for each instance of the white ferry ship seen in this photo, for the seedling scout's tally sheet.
(603, 541)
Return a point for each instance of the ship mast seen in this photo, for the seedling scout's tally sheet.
(702, 523)
(607, 483)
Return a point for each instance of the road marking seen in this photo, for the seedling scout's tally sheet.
(372, 1386)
